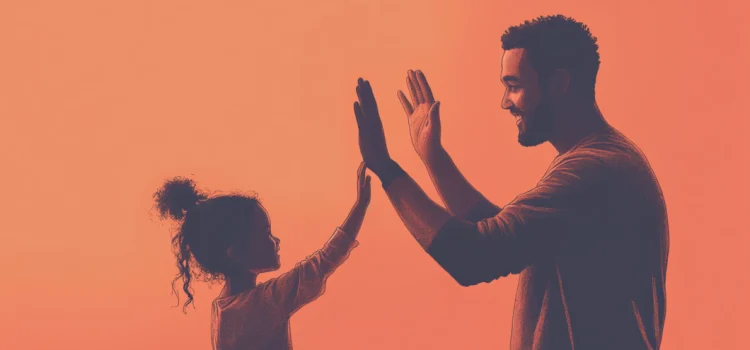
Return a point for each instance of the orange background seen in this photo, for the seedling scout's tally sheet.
(102, 100)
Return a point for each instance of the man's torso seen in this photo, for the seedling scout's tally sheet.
(604, 286)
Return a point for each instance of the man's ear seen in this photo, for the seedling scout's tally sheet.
(558, 83)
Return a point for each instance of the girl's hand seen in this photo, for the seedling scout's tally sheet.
(363, 185)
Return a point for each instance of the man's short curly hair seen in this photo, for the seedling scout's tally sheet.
(558, 42)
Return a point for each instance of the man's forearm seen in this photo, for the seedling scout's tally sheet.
(461, 198)
(421, 216)
(471, 253)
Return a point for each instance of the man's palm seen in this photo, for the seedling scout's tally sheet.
(421, 130)
(372, 143)
(423, 114)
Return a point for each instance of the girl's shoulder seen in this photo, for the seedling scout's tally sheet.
(256, 294)
(225, 300)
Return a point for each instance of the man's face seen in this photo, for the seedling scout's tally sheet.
(525, 99)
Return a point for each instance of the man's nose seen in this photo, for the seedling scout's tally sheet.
(506, 102)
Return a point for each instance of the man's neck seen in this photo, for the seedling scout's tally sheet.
(579, 124)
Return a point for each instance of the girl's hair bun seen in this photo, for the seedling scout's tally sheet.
(176, 197)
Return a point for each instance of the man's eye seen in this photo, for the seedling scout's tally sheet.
(512, 88)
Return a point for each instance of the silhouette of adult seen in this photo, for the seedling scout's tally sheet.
(590, 241)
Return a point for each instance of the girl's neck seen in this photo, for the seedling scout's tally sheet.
(239, 282)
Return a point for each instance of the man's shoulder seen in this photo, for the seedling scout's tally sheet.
(609, 150)
(618, 165)
(605, 159)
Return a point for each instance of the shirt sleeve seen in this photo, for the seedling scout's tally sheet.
(482, 210)
(306, 281)
(522, 232)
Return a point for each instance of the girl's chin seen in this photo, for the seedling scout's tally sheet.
(276, 264)
(273, 267)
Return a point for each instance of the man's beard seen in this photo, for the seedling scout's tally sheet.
(535, 127)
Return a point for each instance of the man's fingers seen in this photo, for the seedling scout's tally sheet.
(408, 109)
(412, 90)
(372, 105)
(359, 92)
(425, 88)
(368, 88)
(435, 114)
(361, 105)
(358, 114)
(366, 98)
(417, 93)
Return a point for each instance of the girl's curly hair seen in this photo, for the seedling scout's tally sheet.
(208, 226)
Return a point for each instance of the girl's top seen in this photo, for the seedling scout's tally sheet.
(259, 318)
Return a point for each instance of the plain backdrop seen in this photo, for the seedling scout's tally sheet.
(101, 101)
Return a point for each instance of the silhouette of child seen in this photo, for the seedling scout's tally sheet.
(228, 238)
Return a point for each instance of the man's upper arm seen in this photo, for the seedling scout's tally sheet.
(484, 209)
(527, 229)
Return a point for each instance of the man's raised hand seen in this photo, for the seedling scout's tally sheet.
(371, 136)
(423, 114)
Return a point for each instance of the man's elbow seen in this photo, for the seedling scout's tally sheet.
(467, 253)
(468, 275)
(467, 282)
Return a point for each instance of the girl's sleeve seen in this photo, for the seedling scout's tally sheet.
(306, 281)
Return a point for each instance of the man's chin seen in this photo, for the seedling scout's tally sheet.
(529, 140)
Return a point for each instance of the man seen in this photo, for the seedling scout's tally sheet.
(590, 241)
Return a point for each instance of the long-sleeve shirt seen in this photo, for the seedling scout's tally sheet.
(259, 318)
(590, 242)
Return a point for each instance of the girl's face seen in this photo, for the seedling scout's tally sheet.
(258, 250)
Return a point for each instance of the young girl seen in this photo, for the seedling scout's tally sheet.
(229, 238)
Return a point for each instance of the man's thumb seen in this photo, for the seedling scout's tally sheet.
(435, 113)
